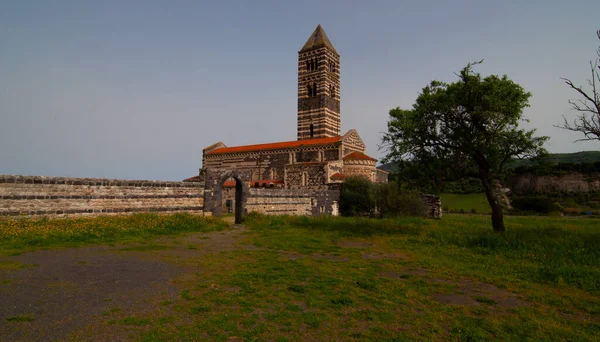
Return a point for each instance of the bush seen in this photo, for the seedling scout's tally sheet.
(356, 197)
(360, 197)
(540, 204)
(556, 207)
(392, 202)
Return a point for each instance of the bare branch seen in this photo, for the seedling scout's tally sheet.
(587, 121)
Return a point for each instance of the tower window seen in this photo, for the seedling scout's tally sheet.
(311, 89)
(312, 64)
(332, 90)
(332, 67)
(312, 130)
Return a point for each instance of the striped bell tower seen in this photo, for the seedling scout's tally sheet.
(318, 88)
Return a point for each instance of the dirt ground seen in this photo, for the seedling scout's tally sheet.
(67, 290)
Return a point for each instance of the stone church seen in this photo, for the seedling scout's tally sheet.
(321, 157)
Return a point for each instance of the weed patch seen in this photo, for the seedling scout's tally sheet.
(21, 318)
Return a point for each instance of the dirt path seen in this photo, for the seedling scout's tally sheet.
(63, 291)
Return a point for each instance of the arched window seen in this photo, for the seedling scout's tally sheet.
(312, 130)
(309, 90)
(332, 90)
(314, 89)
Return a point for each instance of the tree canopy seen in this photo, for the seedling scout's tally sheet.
(470, 127)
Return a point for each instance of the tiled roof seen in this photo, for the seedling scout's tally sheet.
(338, 176)
(277, 145)
(358, 156)
(192, 179)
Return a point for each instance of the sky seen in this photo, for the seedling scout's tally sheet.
(136, 89)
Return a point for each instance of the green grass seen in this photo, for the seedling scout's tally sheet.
(302, 283)
(21, 318)
(25, 234)
(300, 278)
(466, 202)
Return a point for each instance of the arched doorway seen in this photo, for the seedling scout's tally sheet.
(241, 193)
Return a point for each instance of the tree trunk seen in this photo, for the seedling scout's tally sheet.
(497, 215)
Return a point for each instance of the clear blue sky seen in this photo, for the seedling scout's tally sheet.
(136, 89)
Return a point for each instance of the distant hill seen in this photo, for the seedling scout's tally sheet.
(555, 158)
(564, 158)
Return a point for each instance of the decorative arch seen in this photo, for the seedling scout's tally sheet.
(214, 191)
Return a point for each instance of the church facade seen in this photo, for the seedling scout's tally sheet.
(321, 157)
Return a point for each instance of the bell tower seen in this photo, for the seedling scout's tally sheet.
(318, 88)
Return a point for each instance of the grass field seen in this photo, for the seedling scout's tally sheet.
(299, 278)
(466, 202)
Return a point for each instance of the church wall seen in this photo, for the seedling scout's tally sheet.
(263, 165)
(307, 156)
(332, 154)
(269, 164)
(306, 176)
(367, 171)
(61, 196)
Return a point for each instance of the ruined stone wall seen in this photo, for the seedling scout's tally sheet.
(293, 202)
(432, 206)
(529, 183)
(62, 196)
(381, 176)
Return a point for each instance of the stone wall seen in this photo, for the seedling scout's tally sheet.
(62, 196)
(381, 176)
(306, 176)
(293, 202)
(433, 206)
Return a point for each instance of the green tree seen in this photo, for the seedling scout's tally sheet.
(471, 126)
(588, 108)
(357, 197)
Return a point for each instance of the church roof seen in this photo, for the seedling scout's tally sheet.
(318, 39)
(338, 176)
(276, 145)
(192, 179)
(358, 156)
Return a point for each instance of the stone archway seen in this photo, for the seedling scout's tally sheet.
(214, 191)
